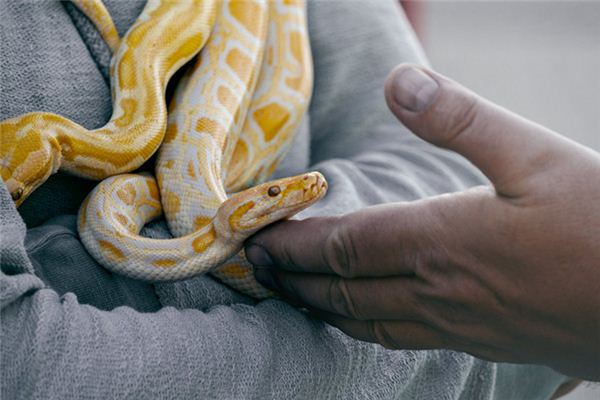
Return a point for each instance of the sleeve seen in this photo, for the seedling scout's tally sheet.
(53, 346)
(367, 156)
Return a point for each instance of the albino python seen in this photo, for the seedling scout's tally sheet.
(218, 117)
(98, 14)
(204, 121)
(35, 145)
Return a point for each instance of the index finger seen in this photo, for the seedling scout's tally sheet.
(383, 240)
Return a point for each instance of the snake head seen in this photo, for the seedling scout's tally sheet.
(252, 209)
(27, 158)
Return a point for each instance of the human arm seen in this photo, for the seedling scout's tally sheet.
(53, 346)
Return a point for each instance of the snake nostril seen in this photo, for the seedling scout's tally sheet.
(274, 191)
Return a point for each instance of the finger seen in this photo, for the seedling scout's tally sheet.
(407, 335)
(506, 147)
(383, 240)
(362, 299)
(392, 299)
(412, 335)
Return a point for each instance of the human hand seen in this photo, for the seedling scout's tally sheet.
(507, 273)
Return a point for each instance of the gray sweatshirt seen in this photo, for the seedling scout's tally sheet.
(71, 329)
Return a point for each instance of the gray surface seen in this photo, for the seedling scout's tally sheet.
(212, 342)
(540, 59)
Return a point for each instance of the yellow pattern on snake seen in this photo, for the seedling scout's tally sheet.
(125, 252)
(35, 145)
(280, 101)
(214, 121)
(277, 108)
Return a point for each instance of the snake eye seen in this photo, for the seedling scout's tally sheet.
(16, 195)
(273, 191)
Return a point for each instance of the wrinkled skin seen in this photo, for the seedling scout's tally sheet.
(508, 272)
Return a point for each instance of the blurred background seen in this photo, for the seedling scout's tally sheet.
(540, 59)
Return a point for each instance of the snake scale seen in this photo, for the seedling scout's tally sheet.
(230, 121)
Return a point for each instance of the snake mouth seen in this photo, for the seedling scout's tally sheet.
(316, 190)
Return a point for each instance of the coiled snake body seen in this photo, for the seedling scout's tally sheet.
(35, 145)
(236, 108)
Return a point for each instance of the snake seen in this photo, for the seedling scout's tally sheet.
(97, 13)
(238, 107)
(240, 216)
(35, 145)
(216, 111)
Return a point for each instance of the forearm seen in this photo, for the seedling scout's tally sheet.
(54, 347)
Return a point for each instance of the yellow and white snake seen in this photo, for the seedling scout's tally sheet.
(231, 120)
(35, 145)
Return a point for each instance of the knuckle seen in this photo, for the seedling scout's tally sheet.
(461, 117)
(413, 301)
(285, 258)
(340, 251)
(282, 254)
(436, 307)
(447, 314)
(341, 299)
(380, 332)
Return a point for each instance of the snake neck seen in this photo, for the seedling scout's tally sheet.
(222, 226)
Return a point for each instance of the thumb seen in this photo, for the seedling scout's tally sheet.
(507, 148)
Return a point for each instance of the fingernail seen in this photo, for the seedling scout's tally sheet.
(258, 256)
(413, 89)
(264, 276)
